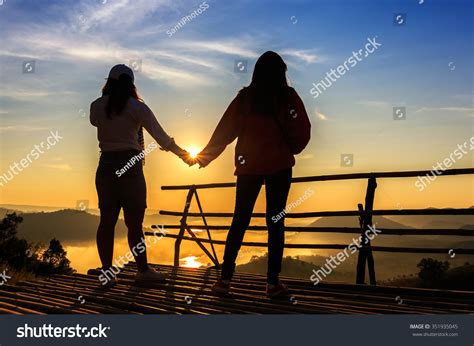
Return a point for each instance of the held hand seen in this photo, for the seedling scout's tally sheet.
(186, 157)
(200, 160)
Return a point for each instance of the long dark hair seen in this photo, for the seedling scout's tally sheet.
(268, 91)
(119, 92)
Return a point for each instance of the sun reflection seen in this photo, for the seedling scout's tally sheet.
(191, 262)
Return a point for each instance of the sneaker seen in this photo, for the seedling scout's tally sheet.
(277, 290)
(221, 287)
(150, 275)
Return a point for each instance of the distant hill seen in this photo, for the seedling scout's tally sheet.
(402, 221)
(448, 222)
(353, 221)
(291, 267)
(152, 217)
(435, 221)
(340, 238)
(28, 208)
(387, 240)
(70, 226)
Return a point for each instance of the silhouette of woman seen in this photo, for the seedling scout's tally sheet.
(120, 116)
(269, 120)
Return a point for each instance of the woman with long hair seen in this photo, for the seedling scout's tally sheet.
(120, 116)
(269, 120)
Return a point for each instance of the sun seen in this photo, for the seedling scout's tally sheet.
(193, 151)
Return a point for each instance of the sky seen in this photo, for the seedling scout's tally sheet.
(54, 56)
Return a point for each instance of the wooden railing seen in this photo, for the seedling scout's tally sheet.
(364, 212)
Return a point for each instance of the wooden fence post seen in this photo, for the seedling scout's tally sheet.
(184, 219)
(216, 260)
(365, 252)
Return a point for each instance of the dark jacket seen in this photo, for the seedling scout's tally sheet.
(265, 144)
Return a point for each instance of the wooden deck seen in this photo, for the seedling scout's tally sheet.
(188, 292)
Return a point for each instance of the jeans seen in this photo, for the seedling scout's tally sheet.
(277, 186)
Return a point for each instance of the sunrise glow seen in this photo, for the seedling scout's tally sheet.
(193, 151)
(191, 262)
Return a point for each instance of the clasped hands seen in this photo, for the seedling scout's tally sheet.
(190, 160)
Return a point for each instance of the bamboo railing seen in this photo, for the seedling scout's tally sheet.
(364, 212)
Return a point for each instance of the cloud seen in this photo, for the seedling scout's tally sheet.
(28, 94)
(115, 14)
(463, 110)
(180, 58)
(304, 55)
(173, 76)
(56, 46)
(320, 115)
(89, 35)
(21, 128)
(227, 47)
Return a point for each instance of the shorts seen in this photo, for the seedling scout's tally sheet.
(120, 182)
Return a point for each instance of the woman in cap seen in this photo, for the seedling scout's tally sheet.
(120, 116)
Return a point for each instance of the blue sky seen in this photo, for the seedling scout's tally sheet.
(425, 65)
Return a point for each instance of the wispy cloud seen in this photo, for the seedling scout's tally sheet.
(21, 128)
(24, 94)
(116, 14)
(58, 47)
(320, 115)
(463, 110)
(237, 47)
(306, 56)
(90, 34)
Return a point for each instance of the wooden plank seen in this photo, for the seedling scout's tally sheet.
(58, 294)
(122, 297)
(350, 298)
(313, 296)
(404, 174)
(6, 308)
(458, 251)
(345, 230)
(446, 211)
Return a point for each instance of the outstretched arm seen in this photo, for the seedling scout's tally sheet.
(225, 133)
(167, 143)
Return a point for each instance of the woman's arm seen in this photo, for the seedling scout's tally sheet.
(297, 124)
(225, 133)
(92, 115)
(167, 143)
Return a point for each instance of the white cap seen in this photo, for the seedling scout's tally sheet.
(119, 70)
